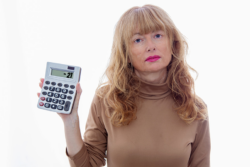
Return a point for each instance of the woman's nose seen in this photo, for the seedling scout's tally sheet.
(150, 45)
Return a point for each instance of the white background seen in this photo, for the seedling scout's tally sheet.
(80, 33)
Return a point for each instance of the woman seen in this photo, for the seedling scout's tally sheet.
(148, 82)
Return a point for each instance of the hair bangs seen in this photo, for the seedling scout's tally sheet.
(148, 21)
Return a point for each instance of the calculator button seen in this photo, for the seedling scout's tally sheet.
(41, 104)
(50, 94)
(53, 83)
(63, 96)
(48, 99)
(59, 84)
(57, 95)
(46, 87)
(69, 97)
(72, 86)
(65, 90)
(59, 107)
(51, 88)
(66, 85)
(53, 106)
(55, 100)
(47, 105)
(58, 89)
(47, 82)
(71, 92)
(42, 98)
(61, 102)
(67, 105)
(44, 93)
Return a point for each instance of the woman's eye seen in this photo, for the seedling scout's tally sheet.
(158, 35)
(137, 40)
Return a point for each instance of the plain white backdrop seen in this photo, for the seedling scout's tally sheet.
(80, 33)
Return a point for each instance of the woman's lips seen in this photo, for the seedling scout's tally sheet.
(153, 59)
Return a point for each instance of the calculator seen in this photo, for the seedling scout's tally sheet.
(59, 88)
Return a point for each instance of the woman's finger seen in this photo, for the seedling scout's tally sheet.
(78, 95)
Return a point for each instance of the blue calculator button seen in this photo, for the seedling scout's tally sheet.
(63, 96)
(72, 86)
(48, 99)
(66, 85)
(50, 94)
(47, 105)
(69, 97)
(67, 106)
(57, 95)
(58, 89)
(53, 106)
(47, 82)
(59, 107)
(59, 84)
(53, 83)
(51, 88)
(61, 102)
(71, 92)
(65, 90)
(44, 93)
(46, 87)
(55, 100)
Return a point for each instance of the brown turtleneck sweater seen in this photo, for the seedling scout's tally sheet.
(157, 138)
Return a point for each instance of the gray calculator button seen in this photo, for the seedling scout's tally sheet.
(48, 99)
(57, 95)
(67, 106)
(44, 93)
(59, 107)
(66, 85)
(72, 86)
(51, 88)
(46, 87)
(71, 92)
(53, 83)
(55, 100)
(58, 89)
(61, 102)
(50, 94)
(69, 97)
(63, 96)
(59, 84)
(47, 82)
(53, 106)
(65, 90)
(47, 105)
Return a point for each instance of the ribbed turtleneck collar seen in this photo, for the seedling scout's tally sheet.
(153, 91)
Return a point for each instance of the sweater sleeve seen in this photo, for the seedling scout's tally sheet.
(200, 154)
(92, 153)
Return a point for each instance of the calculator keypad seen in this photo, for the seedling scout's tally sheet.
(57, 96)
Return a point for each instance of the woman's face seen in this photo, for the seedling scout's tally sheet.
(143, 46)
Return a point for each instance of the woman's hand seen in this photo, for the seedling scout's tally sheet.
(74, 113)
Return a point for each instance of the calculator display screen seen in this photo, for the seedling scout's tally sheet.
(63, 74)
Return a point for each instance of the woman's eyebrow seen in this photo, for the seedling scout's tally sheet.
(137, 33)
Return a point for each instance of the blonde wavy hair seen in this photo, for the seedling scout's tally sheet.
(120, 92)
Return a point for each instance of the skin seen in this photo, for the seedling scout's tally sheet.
(143, 46)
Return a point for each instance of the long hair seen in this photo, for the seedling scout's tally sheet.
(121, 90)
